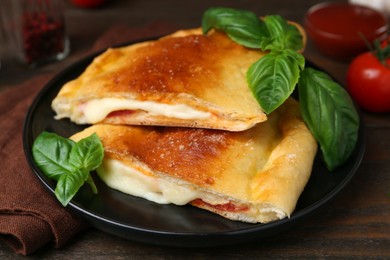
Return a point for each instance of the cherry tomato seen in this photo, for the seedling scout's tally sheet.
(88, 3)
(368, 82)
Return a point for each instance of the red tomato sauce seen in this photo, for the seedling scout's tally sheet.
(346, 20)
(121, 113)
(229, 207)
(338, 28)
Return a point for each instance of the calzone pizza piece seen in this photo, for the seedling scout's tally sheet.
(252, 176)
(185, 79)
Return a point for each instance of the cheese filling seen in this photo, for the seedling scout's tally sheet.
(129, 180)
(96, 110)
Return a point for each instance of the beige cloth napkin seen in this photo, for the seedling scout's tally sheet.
(30, 217)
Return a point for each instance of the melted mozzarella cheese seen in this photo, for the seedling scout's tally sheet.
(97, 109)
(131, 181)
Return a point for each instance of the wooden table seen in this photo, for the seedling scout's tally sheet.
(356, 224)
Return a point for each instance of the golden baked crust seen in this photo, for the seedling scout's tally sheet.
(255, 175)
(204, 72)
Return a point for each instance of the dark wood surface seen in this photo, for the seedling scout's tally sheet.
(355, 224)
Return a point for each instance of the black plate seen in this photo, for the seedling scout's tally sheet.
(138, 219)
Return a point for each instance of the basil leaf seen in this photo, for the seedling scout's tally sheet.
(294, 38)
(69, 184)
(272, 79)
(51, 152)
(243, 27)
(284, 35)
(330, 115)
(87, 154)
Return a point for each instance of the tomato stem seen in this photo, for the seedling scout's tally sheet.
(382, 52)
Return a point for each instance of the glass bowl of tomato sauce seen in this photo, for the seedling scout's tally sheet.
(343, 30)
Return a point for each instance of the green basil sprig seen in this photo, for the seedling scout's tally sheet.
(279, 70)
(325, 106)
(68, 162)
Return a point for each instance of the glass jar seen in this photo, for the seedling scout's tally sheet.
(36, 29)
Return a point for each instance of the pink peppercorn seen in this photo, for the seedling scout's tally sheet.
(43, 36)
